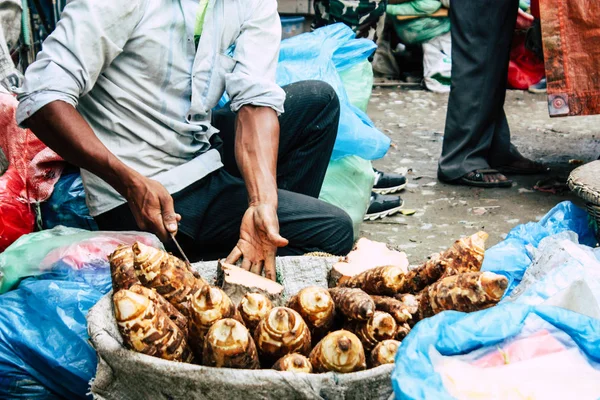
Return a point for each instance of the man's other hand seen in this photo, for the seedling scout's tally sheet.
(259, 240)
(152, 206)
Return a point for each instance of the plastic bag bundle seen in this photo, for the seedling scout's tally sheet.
(44, 349)
(358, 82)
(420, 30)
(16, 216)
(53, 359)
(415, 7)
(524, 67)
(511, 257)
(500, 353)
(348, 183)
(33, 170)
(320, 55)
(67, 205)
(38, 253)
(437, 63)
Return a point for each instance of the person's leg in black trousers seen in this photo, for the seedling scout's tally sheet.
(477, 135)
(308, 129)
(212, 208)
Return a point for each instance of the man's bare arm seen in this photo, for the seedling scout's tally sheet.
(65, 131)
(256, 148)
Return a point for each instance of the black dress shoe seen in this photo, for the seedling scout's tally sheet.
(387, 182)
(382, 206)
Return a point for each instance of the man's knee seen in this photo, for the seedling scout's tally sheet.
(327, 97)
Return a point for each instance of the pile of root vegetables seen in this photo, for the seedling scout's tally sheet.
(165, 309)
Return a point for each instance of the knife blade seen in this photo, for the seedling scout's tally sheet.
(179, 248)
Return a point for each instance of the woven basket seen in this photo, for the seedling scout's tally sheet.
(585, 183)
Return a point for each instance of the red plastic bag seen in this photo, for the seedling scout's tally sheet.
(16, 217)
(33, 171)
(524, 68)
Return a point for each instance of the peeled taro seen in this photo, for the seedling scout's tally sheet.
(293, 363)
(281, 332)
(228, 344)
(253, 308)
(339, 351)
(147, 329)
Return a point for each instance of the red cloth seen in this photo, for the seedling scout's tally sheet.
(571, 37)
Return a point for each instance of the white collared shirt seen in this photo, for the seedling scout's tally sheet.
(131, 69)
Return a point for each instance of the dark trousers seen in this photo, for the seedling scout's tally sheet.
(212, 208)
(477, 135)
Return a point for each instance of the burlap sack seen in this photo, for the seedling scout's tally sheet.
(124, 374)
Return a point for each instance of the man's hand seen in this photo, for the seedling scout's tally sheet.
(259, 240)
(152, 206)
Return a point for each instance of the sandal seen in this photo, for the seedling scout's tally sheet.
(476, 179)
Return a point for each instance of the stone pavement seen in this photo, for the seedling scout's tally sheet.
(414, 119)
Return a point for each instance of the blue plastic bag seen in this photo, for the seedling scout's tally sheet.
(511, 258)
(44, 352)
(453, 333)
(316, 55)
(67, 205)
(319, 55)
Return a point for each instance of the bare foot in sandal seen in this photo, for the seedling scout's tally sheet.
(484, 178)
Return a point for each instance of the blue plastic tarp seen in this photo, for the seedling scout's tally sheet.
(454, 333)
(43, 334)
(511, 258)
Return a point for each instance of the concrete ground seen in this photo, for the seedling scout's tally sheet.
(414, 120)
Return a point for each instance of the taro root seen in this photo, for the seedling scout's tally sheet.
(402, 331)
(122, 271)
(281, 332)
(381, 326)
(384, 353)
(387, 280)
(465, 255)
(339, 351)
(174, 315)
(392, 306)
(228, 344)
(293, 362)
(164, 272)
(366, 255)
(253, 308)
(207, 306)
(409, 301)
(466, 292)
(353, 303)
(147, 329)
(424, 275)
(316, 307)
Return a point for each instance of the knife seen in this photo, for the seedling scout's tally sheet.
(179, 248)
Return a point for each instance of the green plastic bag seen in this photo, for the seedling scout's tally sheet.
(347, 185)
(416, 7)
(358, 82)
(417, 31)
(40, 252)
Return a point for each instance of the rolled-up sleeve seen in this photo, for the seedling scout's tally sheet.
(252, 80)
(89, 36)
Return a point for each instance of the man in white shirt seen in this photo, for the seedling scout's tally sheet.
(120, 90)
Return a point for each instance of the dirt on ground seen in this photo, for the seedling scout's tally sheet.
(414, 120)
